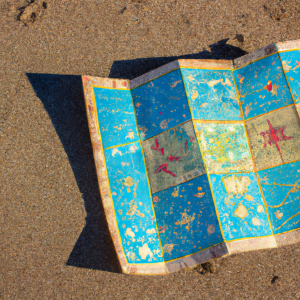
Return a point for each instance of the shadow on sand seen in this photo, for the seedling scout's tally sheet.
(129, 69)
(63, 99)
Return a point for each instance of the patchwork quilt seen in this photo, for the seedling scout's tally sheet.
(199, 159)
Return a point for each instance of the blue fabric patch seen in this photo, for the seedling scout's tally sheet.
(132, 204)
(160, 104)
(291, 67)
(281, 188)
(262, 86)
(240, 206)
(186, 218)
(212, 94)
(116, 116)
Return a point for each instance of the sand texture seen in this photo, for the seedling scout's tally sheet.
(55, 242)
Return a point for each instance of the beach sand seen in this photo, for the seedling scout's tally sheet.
(55, 242)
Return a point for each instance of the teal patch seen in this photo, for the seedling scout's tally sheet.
(132, 204)
(116, 116)
(186, 218)
(291, 67)
(212, 94)
(281, 188)
(262, 86)
(240, 206)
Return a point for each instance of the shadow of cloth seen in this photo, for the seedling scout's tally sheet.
(130, 69)
(63, 99)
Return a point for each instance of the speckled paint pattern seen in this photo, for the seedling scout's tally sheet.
(132, 202)
(116, 116)
(173, 157)
(224, 147)
(201, 159)
(212, 94)
(161, 104)
(291, 66)
(186, 218)
(262, 86)
(240, 205)
(281, 188)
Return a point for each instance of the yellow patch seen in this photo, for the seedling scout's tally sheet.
(247, 110)
(194, 95)
(249, 197)
(210, 229)
(144, 251)
(175, 83)
(260, 209)
(185, 219)
(163, 124)
(213, 82)
(255, 221)
(167, 248)
(128, 181)
(278, 214)
(241, 211)
(236, 185)
(199, 195)
(130, 135)
(175, 193)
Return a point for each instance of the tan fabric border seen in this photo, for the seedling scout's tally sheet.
(251, 244)
(288, 45)
(249, 58)
(288, 238)
(197, 258)
(88, 84)
(154, 74)
(206, 63)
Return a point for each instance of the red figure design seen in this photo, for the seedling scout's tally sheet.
(191, 139)
(162, 229)
(162, 150)
(273, 136)
(186, 146)
(298, 65)
(164, 168)
(269, 86)
(173, 158)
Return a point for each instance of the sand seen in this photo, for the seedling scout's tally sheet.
(55, 242)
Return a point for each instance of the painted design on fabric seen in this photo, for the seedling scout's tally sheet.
(262, 86)
(212, 94)
(173, 157)
(132, 204)
(281, 188)
(187, 218)
(240, 206)
(160, 104)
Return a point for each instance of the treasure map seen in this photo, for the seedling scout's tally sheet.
(199, 159)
